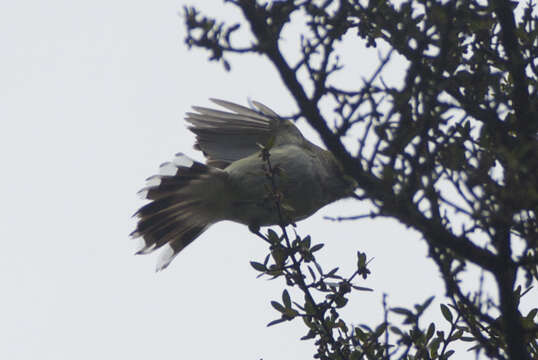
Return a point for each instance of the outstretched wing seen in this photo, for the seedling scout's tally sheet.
(227, 136)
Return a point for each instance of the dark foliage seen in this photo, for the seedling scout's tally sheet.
(458, 139)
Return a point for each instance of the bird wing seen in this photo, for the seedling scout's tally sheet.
(227, 136)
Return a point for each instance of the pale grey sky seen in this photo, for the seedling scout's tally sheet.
(92, 101)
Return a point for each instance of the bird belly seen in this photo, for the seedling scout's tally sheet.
(253, 194)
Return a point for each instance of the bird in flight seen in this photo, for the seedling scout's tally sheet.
(187, 197)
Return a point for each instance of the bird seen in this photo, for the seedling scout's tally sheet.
(187, 196)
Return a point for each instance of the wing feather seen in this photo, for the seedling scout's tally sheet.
(227, 136)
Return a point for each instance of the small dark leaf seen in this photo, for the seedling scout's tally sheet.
(279, 255)
(274, 271)
(434, 345)
(274, 322)
(258, 266)
(286, 299)
(306, 242)
(532, 314)
(310, 335)
(226, 64)
(402, 311)
(361, 259)
(467, 338)
(344, 287)
(340, 301)
(380, 330)
(361, 288)
(316, 247)
(312, 273)
(298, 305)
(431, 331)
(278, 306)
(273, 237)
(457, 335)
(446, 313)
(476, 347)
(332, 272)
(342, 325)
(427, 303)
(309, 308)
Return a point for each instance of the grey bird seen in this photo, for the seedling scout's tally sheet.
(187, 196)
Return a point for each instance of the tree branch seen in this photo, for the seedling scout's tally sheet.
(516, 66)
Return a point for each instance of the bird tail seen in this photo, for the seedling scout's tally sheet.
(185, 200)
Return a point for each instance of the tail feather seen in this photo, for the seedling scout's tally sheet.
(181, 207)
(174, 247)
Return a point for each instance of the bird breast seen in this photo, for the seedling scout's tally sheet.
(298, 178)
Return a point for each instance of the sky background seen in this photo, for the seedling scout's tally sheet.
(92, 101)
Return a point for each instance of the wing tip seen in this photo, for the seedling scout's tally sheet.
(264, 109)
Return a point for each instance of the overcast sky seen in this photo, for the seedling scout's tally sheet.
(92, 99)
